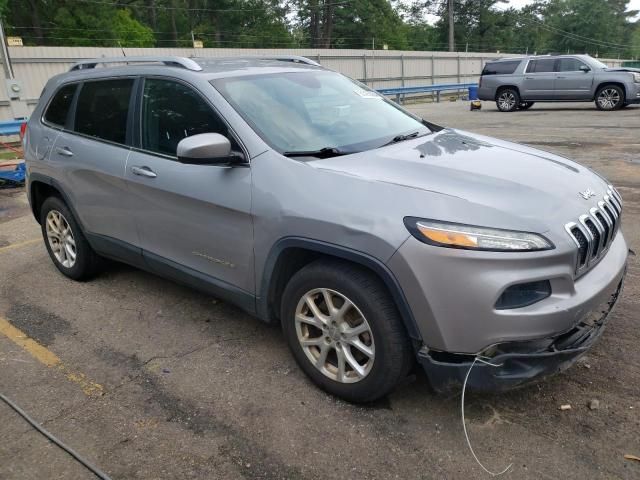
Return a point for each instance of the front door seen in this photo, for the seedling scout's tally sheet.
(194, 219)
(573, 80)
(539, 80)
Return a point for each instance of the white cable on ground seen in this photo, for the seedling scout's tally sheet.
(51, 438)
(464, 425)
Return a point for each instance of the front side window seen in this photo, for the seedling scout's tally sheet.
(172, 111)
(103, 108)
(541, 66)
(312, 110)
(570, 65)
(59, 107)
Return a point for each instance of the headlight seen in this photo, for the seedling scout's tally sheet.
(470, 237)
(636, 77)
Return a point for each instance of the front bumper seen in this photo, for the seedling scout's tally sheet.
(516, 363)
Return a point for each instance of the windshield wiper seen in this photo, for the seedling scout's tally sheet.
(401, 138)
(326, 152)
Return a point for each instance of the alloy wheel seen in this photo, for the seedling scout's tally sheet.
(609, 98)
(334, 335)
(507, 100)
(60, 238)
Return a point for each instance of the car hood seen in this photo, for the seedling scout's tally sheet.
(622, 69)
(511, 178)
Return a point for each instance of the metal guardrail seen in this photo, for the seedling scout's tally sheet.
(400, 92)
(11, 127)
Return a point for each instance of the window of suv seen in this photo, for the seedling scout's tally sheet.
(172, 111)
(500, 68)
(103, 108)
(570, 65)
(59, 107)
(542, 65)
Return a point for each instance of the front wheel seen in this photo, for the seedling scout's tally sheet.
(610, 97)
(344, 331)
(508, 100)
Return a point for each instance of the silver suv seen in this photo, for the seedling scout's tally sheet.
(517, 83)
(373, 237)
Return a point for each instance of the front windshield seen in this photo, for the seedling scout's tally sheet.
(598, 63)
(313, 110)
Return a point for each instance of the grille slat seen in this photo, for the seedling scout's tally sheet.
(594, 232)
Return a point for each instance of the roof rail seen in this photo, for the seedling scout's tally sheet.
(181, 62)
(281, 58)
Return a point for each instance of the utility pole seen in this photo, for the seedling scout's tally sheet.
(4, 55)
(452, 42)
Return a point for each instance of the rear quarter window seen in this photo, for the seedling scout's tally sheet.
(500, 68)
(58, 109)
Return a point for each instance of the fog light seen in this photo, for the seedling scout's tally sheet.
(523, 294)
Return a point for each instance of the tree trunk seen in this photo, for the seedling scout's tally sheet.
(452, 41)
(35, 22)
(328, 24)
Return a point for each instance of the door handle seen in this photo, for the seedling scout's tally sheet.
(561, 77)
(64, 151)
(530, 78)
(143, 172)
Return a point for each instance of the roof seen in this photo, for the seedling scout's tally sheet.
(531, 57)
(222, 66)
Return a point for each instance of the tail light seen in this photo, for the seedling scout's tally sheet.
(23, 130)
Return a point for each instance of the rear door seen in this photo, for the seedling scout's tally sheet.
(572, 83)
(90, 155)
(539, 80)
(192, 219)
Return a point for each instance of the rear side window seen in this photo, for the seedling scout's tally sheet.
(103, 108)
(541, 66)
(172, 111)
(500, 68)
(59, 107)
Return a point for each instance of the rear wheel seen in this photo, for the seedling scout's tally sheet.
(507, 100)
(65, 242)
(610, 97)
(525, 105)
(344, 331)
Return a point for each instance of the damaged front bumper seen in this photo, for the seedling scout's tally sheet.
(512, 364)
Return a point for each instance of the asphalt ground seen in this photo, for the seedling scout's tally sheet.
(150, 380)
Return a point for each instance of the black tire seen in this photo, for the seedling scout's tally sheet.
(508, 100)
(609, 98)
(87, 263)
(525, 105)
(393, 354)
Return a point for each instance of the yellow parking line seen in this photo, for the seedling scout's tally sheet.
(48, 358)
(20, 244)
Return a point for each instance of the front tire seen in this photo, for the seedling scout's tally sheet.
(65, 242)
(609, 97)
(344, 331)
(507, 100)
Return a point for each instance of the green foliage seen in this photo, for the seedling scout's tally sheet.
(602, 27)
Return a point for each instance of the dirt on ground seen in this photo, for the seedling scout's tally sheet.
(156, 381)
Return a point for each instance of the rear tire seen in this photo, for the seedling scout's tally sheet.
(609, 98)
(65, 242)
(345, 331)
(525, 105)
(507, 100)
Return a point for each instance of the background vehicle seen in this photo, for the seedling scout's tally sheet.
(374, 237)
(517, 83)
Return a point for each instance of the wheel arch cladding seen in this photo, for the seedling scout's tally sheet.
(40, 188)
(504, 87)
(290, 254)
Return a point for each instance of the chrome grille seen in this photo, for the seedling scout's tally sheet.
(594, 231)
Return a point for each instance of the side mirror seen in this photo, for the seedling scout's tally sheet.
(584, 68)
(207, 149)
